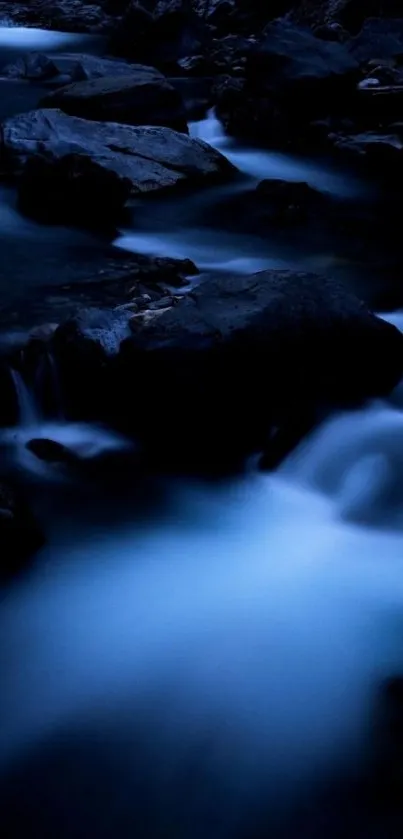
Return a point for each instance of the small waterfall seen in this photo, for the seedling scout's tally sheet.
(28, 413)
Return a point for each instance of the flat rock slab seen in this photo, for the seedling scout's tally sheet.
(148, 158)
(141, 97)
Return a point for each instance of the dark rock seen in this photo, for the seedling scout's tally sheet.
(72, 190)
(64, 68)
(378, 39)
(350, 14)
(196, 94)
(33, 66)
(83, 348)
(331, 32)
(289, 201)
(232, 359)
(109, 278)
(143, 97)
(51, 452)
(377, 151)
(20, 535)
(171, 33)
(294, 60)
(379, 105)
(146, 158)
(291, 79)
(63, 15)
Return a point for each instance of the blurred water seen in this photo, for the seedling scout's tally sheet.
(243, 630)
(259, 164)
(173, 676)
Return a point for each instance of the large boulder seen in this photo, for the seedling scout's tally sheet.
(210, 378)
(20, 534)
(291, 79)
(142, 159)
(142, 97)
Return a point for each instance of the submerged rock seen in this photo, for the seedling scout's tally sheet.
(20, 534)
(142, 97)
(146, 159)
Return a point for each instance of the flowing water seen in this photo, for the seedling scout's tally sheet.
(205, 661)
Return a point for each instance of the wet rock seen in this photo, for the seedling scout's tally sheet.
(291, 79)
(143, 97)
(33, 66)
(148, 159)
(51, 451)
(172, 32)
(72, 190)
(240, 355)
(377, 151)
(61, 15)
(379, 38)
(106, 279)
(351, 14)
(288, 202)
(20, 534)
(65, 68)
(83, 348)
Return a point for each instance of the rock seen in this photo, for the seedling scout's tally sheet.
(289, 201)
(377, 151)
(291, 79)
(20, 535)
(331, 32)
(274, 207)
(171, 33)
(144, 97)
(82, 348)
(196, 94)
(63, 15)
(106, 278)
(293, 60)
(379, 105)
(378, 39)
(33, 66)
(234, 357)
(65, 68)
(350, 14)
(51, 451)
(145, 158)
(72, 190)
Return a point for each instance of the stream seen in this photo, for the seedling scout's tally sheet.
(189, 659)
